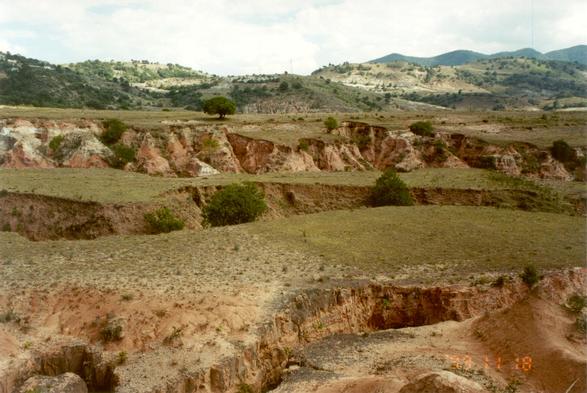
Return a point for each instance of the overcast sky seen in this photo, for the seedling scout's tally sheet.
(267, 36)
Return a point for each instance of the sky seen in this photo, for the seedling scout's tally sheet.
(272, 36)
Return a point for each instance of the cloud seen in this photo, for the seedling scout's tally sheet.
(265, 36)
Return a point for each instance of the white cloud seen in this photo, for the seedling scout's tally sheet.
(254, 36)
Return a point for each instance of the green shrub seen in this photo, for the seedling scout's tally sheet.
(113, 130)
(283, 86)
(562, 151)
(112, 331)
(210, 144)
(163, 221)
(362, 141)
(422, 128)
(234, 204)
(330, 123)
(220, 106)
(390, 190)
(303, 145)
(530, 275)
(122, 155)
(576, 303)
(56, 142)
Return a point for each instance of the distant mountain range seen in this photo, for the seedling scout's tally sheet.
(459, 57)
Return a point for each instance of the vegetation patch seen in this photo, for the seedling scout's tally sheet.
(390, 190)
(530, 275)
(220, 106)
(422, 128)
(122, 155)
(164, 221)
(330, 123)
(113, 130)
(234, 204)
(56, 142)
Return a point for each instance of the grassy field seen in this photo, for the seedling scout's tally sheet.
(496, 127)
(116, 186)
(419, 243)
(460, 239)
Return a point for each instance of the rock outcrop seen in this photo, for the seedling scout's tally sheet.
(64, 383)
(442, 382)
(201, 150)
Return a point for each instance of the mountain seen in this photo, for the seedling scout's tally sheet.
(575, 54)
(456, 57)
(459, 57)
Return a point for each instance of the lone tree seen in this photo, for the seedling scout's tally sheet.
(234, 204)
(390, 190)
(330, 123)
(220, 106)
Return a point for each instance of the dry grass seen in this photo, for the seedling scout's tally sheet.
(495, 127)
(116, 186)
(421, 242)
(459, 239)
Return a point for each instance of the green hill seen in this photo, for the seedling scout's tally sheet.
(25, 81)
(575, 54)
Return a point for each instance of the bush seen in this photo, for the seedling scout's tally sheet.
(210, 144)
(303, 144)
(561, 151)
(113, 130)
(122, 155)
(56, 142)
(422, 128)
(220, 106)
(330, 123)
(283, 86)
(163, 221)
(576, 303)
(390, 190)
(111, 331)
(362, 141)
(530, 275)
(234, 204)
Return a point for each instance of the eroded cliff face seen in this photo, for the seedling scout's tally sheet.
(202, 150)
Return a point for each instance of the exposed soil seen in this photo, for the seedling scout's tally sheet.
(329, 338)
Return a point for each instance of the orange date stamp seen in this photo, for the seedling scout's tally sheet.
(467, 362)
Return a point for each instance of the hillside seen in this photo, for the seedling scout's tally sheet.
(459, 57)
(143, 85)
(140, 73)
(25, 81)
(489, 83)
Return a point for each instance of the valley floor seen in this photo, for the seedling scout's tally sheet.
(322, 294)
